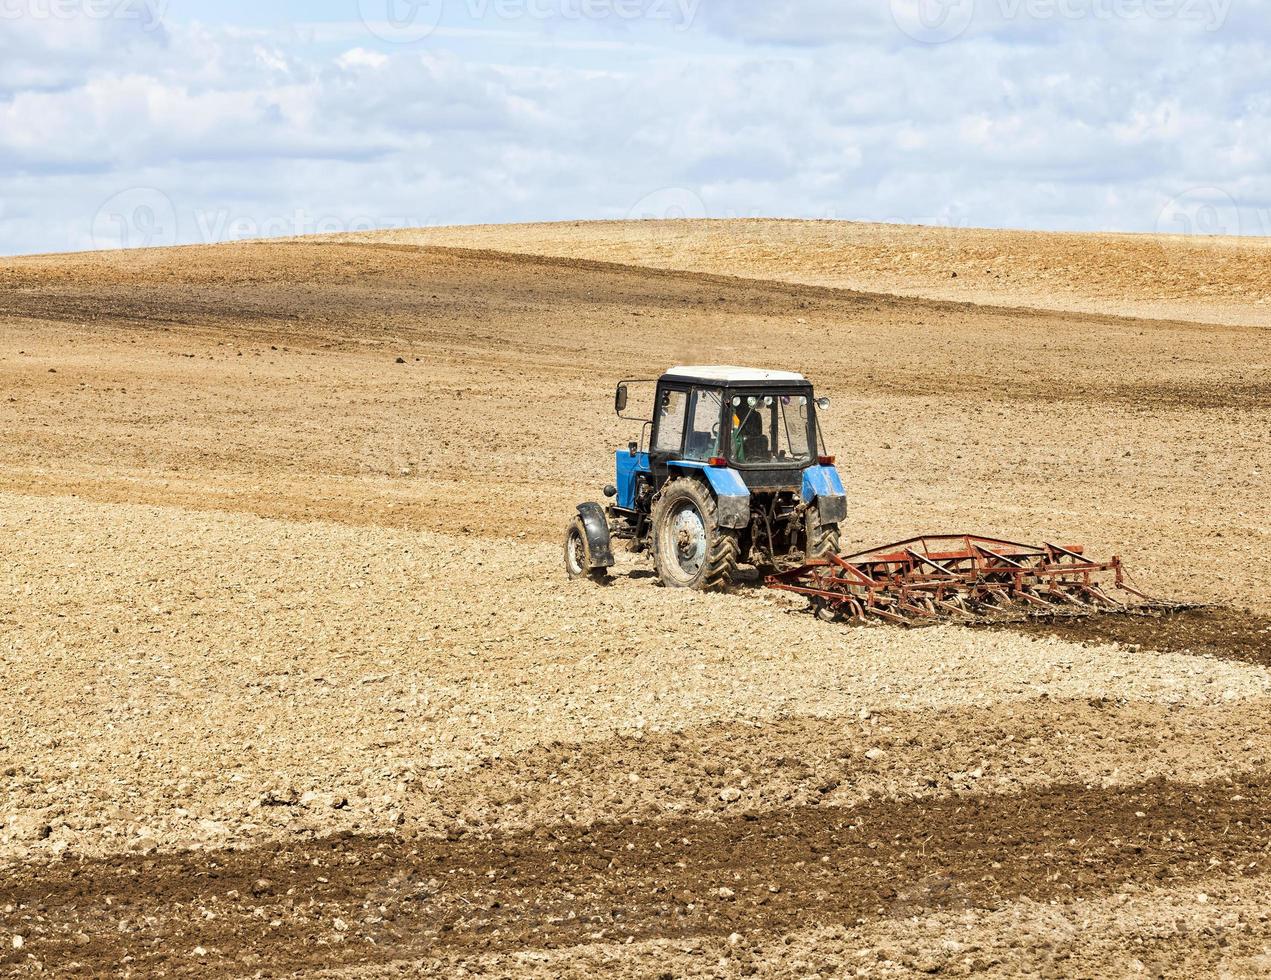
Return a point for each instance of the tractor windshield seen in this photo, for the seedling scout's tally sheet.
(771, 428)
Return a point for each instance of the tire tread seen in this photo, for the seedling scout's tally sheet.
(725, 551)
(824, 539)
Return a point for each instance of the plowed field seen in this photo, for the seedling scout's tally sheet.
(293, 683)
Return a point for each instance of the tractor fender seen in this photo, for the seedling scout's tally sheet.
(596, 527)
(732, 496)
(823, 487)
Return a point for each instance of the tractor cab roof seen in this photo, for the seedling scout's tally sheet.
(727, 375)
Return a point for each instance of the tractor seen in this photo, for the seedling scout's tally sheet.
(731, 469)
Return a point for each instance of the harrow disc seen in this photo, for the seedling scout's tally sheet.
(964, 578)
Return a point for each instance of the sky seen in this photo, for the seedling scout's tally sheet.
(128, 123)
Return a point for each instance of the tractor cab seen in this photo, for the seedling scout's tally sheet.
(763, 423)
(730, 467)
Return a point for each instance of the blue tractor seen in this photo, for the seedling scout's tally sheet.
(731, 469)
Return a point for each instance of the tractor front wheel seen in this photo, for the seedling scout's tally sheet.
(690, 549)
(578, 556)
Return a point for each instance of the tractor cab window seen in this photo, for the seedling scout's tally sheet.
(771, 429)
(705, 421)
(672, 408)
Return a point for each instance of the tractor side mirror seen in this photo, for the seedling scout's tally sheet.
(620, 400)
(823, 404)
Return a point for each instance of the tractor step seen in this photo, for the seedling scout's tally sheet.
(966, 579)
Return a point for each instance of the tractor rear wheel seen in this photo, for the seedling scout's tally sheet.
(690, 549)
(577, 555)
(823, 540)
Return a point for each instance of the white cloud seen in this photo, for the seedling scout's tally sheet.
(361, 58)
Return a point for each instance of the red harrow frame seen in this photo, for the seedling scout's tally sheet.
(963, 578)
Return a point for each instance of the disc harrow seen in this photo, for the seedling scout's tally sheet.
(966, 579)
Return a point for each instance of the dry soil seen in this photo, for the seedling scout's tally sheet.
(293, 682)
